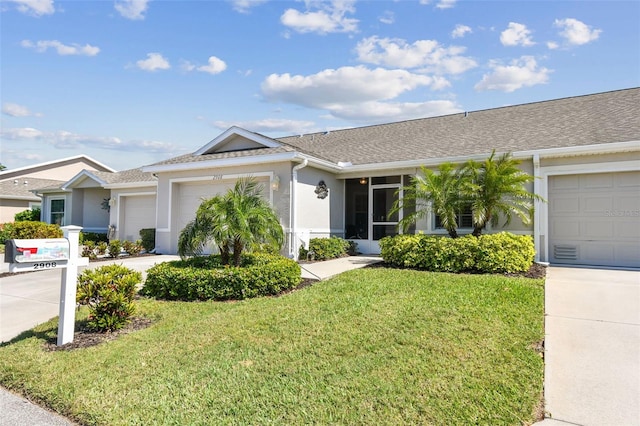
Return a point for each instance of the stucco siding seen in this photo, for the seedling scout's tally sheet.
(9, 208)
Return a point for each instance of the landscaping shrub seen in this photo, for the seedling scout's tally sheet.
(96, 237)
(108, 291)
(206, 278)
(133, 248)
(148, 236)
(115, 247)
(31, 215)
(29, 230)
(102, 247)
(327, 248)
(89, 250)
(493, 253)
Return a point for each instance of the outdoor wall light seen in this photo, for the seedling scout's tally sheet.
(363, 181)
(275, 183)
(112, 202)
(321, 190)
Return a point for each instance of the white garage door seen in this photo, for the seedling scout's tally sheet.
(189, 196)
(594, 219)
(139, 213)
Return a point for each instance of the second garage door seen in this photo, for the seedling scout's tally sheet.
(594, 219)
(139, 213)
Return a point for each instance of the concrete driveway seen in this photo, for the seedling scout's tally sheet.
(32, 298)
(592, 347)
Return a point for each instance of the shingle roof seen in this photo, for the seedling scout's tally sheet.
(125, 176)
(193, 158)
(10, 189)
(568, 122)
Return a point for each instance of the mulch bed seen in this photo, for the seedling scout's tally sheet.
(84, 338)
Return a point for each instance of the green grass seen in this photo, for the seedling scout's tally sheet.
(372, 346)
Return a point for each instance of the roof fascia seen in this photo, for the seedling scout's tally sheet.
(79, 177)
(226, 162)
(18, 197)
(237, 131)
(126, 185)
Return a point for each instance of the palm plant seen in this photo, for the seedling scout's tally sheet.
(232, 221)
(496, 187)
(437, 192)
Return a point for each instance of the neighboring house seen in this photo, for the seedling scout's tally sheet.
(584, 151)
(99, 201)
(17, 185)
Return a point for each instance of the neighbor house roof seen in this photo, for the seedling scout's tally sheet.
(583, 120)
(21, 189)
(52, 166)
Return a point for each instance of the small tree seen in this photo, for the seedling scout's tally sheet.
(496, 187)
(438, 192)
(31, 215)
(232, 221)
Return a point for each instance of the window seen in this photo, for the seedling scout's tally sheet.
(56, 212)
(463, 219)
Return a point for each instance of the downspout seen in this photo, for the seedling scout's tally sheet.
(536, 206)
(293, 212)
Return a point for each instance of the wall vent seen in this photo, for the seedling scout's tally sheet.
(565, 252)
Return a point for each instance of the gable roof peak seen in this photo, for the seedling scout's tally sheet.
(254, 140)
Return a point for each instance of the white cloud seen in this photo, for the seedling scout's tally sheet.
(215, 66)
(523, 72)
(384, 112)
(63, 139)
(61, 48)
(426, 54)
(132, 9)
(154, 62)
(576, 32)
(346, 85)
(552, 45)
(329, 18)
(35, 7)
(446, 4)
(516, 35)
(269, 125)
(244, 6)
(460, 31)
(388, 17)
(15, 110)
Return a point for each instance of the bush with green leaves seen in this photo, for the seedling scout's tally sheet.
(327, 248)
(115, 247)
(491, 253)
(29, 230)
(148, 237)
(89, 250)
(96, 237)
(132, 248)
(206, 278)
(31, 215)
(102, 247)
(108, 291)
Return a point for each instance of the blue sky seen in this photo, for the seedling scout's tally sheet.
(132, 82)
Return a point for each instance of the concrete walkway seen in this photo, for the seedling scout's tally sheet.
(592, 347)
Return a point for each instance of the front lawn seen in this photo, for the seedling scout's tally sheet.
(371, 346)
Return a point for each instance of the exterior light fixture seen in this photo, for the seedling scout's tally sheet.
(275, 183)
(363, 181)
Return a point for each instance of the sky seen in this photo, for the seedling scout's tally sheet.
(132, 82)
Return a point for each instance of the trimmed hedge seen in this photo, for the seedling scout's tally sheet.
(492, 253)
(29, 230)
(327, 248)
(205, 278)
(148, 237)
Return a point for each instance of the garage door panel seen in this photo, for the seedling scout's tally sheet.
(605, 228)
(140, 213)
(597, 181)
(565, 228)
(566, 205)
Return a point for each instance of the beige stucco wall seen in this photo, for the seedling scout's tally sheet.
(59, 172)
(9, 208)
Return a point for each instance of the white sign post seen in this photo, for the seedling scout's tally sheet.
(67, 320)
(53, 253)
